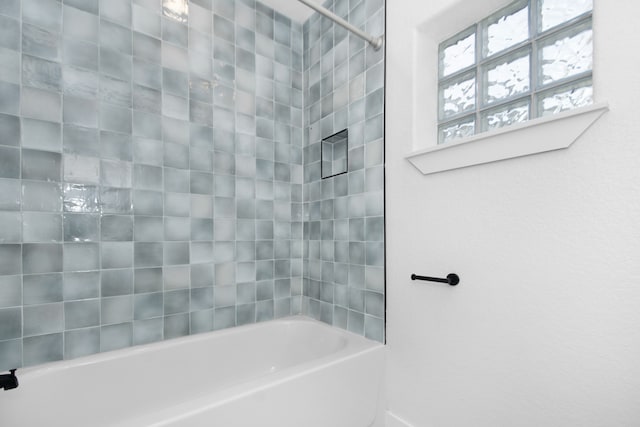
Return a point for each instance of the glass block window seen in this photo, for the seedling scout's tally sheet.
(531, 59)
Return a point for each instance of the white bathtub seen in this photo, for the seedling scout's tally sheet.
(292, 372)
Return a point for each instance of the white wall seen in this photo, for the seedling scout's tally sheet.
(544, 329)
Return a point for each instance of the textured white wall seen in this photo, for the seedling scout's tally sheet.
(544, 329)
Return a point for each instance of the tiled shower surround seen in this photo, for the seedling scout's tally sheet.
(344, 215)
(151, 174)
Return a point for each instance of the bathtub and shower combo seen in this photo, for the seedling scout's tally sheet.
(290, 372)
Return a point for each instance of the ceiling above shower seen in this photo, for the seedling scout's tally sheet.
(291, 8)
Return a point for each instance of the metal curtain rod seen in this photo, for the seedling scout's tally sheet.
(376, 42)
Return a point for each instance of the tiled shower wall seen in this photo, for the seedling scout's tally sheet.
(151, 170)
(344, 216)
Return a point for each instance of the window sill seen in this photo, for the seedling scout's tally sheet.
(532, 137)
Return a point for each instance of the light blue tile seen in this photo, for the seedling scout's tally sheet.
(116, 200)
(246, 314)
(117, 254)
(224, 317)
(374, 279)
(264, 310)
(177, 229)
(175, 107)
(178, 205)
(43, 319)
(42, 288)
(374, 328)
(175, 180)
(116, 228)
(115, 92)
(355, 322)
(145, 22)
(115, 37)
(148, 280)
(117, 309)
(147, 177)
(10, 130)
(81, 198)
(116, 174)
(80, 24)
(147, 99)
(9, 194)
(41, 73)
(114, 145)
(201, 229)
(375, 253)
(81, 227)
(148, 306)
(81, 285)
(113, 337)
(10, 323)
(199, 42)
(81, 314)
(10, 354)
(117, 11)
(176, 253)
(176, 302)
(374, 304)
(10, 259)
(9, 98)
(9, 33)
(10, 291)
(176, 277)
(176, 10)
(40, 42)
(201, 321)
(176, 326)
(148, 331)
(41, 135)
(42, 349)
(147, 203)
(175, 130)
(81, 342)
(90, 6)
(44, 13)
(201, 113)
(10, 8)
(115, 64)
(81, 54)
(117, 282)
(9, 65)
(148, 229)
(146, 48)
(41, 104)
(116, 119)
(177, 58)
(148, 126)
(81, 257)
(201, 183)
(148, 151)
(340, 316)
(174, 32)
(9, 162)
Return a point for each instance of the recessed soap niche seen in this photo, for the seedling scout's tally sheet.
(335, 158)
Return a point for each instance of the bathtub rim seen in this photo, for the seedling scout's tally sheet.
(353, 340)
(205, 402)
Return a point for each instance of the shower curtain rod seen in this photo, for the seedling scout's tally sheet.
(376, 42)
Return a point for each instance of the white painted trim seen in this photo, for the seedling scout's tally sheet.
(395, 421)
(535, 136)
